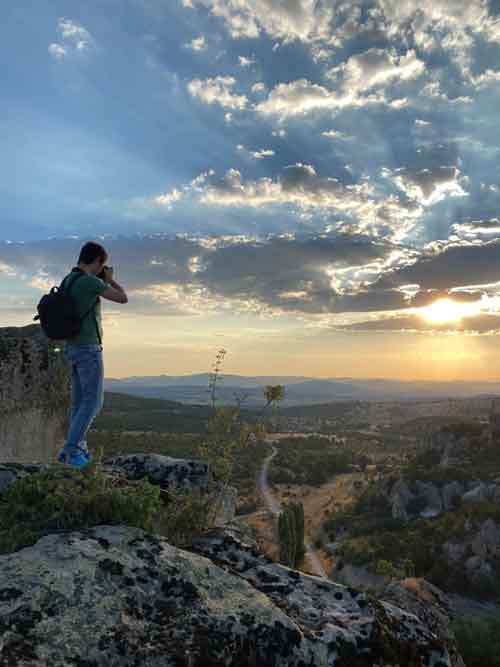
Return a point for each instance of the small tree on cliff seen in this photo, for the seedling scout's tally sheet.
(227, 433)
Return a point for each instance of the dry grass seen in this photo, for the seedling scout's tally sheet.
(317, 501)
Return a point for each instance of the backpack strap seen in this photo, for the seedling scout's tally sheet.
(67, 288)
(69, 284)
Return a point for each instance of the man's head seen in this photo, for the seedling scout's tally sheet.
(92, 258)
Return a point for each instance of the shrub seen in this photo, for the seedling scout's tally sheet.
(62, 499)
(385, 568)
(187, 514)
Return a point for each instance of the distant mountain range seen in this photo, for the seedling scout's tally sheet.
(298, 390)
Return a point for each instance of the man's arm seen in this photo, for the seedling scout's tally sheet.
(115, 292)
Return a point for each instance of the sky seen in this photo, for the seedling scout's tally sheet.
(312, 185)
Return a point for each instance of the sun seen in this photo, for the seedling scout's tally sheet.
(447, 310)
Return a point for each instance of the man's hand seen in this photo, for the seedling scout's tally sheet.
(108, 275)
(115, 292)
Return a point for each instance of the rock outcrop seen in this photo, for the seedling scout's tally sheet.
(115, 595)
(35, 395)
(410, 499)
(477, 552)
(164, 471)
(426, 601)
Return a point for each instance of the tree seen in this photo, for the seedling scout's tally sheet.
(228, 434)
(291, 534)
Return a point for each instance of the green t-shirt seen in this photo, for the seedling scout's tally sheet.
(84, 291)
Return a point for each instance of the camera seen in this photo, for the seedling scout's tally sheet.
(101, 274)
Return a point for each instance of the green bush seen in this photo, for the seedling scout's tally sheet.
(311, 460)
(187, 514)
(63, 499)
(373, 500)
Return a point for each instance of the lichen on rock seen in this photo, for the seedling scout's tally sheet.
(35, 395)
(116, 595)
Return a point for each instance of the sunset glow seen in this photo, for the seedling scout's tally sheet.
(447, 310)
(312, 185)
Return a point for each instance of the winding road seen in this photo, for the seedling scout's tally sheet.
(274, 507)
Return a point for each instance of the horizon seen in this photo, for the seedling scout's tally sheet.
(314, 188)
(329, 378)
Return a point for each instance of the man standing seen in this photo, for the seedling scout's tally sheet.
(84, 351)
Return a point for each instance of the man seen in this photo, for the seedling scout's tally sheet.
(84, 351)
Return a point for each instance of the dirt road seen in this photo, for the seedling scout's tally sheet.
(274, 508)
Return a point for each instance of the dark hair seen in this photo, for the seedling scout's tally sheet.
(92, 251)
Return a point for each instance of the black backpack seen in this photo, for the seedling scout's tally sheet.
(58, 312)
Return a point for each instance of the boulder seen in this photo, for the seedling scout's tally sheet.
(430, 494)
(399, 497)
(478, 494)
(478, 569)
(165, 471)
(162, 470)
(116, 595)
(486, 542)
(357, 576)
(429, 603)
(35, 395)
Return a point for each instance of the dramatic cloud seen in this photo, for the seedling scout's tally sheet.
(479, 324)
(334, 162)
(457, 265)
(302, 19)
(299, 185)
(359, 81)
(274, 274)
(428, 186)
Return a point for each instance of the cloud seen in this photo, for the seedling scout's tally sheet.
(217, 91)
(297, 97)
(57, 51)
(335, 134)
(264, 152)
(359, 81)
(288, 21)
(455, 265)
(197, 44)
(427, 26)
(169, 198)
(74, 39)
(258, 87)
(487, 324)
(376, 67)
(299, 184)
(256, 155)
(245, 62)
(165, 275)
(300, 191)
(308, 275)
(428, 186)
(288, 274)
(475, 230)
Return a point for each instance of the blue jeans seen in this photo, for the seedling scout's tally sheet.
(87, 391)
